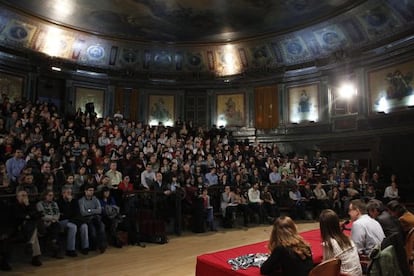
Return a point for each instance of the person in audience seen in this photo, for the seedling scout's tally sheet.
(335, 201)
(208, 210)
(366, 232)
(370, 193)
(211, 178)
(255, 202)
(15, 165)
(71, 221)
(290, 254)
(391, 192)
(114, 175)
(91, 211)
(241, 199)
(389, 223)
(111, 216)
(26, 219)
(322, 201)
(50, 221)
(405, 217)
(125, 185)
(270, 207)
(337, 245)
(228, 206)
(298, 203)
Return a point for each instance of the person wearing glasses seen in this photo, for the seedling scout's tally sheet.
(366, 232)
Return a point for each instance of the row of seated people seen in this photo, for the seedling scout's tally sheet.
(59, 225)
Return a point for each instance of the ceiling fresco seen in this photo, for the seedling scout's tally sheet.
(182, 20)
(95, 40)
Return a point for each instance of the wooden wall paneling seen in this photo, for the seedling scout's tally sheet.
(266, 107)
(133, 103)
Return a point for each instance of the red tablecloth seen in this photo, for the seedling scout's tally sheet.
(216, 263)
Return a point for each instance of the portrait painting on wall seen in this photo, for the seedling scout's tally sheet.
(11, 86)
(303, 103)
(391, 87)
(90, 100)
(161, 110)
(230, 110)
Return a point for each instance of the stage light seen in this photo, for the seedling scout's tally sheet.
(383, 105)
(54, 68)
(347, 91)
(56, 42)
(63, 8)
(221, 121)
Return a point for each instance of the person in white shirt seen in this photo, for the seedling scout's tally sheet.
(391, 192)
(255, 202)
(366, 232)
(114, 175)
(337, 245)
(147, 177)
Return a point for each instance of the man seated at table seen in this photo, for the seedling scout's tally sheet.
(366, 232)
(405, 217)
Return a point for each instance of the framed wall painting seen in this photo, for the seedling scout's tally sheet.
(161, 109)
(303, 103)
(391, 88)
(86, 95)
(11, 86)
(231, 110)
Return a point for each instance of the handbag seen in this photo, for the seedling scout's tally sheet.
(112, 211)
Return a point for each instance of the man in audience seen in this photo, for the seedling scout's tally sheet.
(15, 165)
(366, 232)
(255, 202)
(114, 175)
(91, 210)
(26, 219)
(71, 221)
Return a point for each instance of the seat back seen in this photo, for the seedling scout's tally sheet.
(331, 267)
(409, 249)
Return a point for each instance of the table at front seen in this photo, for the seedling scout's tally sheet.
(216, 263)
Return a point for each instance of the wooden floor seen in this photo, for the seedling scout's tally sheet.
(178, 257)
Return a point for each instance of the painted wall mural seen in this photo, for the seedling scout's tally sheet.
(367, 24)
(391, 88)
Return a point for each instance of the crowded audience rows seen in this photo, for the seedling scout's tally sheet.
(75, 174)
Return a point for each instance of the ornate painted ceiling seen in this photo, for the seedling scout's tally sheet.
(218, 38)
(183, 20)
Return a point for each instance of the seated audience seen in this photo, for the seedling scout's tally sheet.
(337, 245)
(290, 254)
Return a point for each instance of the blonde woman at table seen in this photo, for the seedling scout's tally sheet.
(290, 255)
(337, 245)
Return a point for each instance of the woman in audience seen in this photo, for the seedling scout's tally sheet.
(289, 253)
(391, 192)
(337, 245)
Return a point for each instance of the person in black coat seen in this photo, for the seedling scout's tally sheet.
(26, 218)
